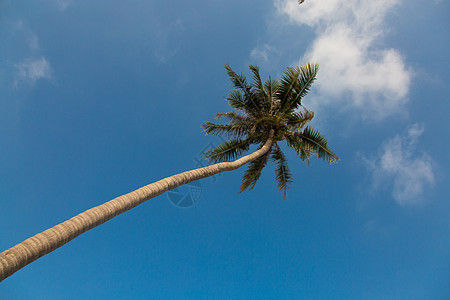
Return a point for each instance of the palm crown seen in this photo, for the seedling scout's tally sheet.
(269, 109)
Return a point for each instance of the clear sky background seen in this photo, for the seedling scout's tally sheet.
(98, 98)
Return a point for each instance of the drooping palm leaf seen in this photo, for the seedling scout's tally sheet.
(283, 175)
(309, 142)
(253, 172)
(303, 149)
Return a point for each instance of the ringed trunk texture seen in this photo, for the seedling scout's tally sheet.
(45, 242)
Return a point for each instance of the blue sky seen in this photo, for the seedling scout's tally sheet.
(100, 98)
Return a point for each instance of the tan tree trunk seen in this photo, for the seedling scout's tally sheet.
(45, 242)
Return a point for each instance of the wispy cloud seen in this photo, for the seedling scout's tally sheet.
(63, 4)
(348, 47)
(262, 53)
(397, 168)
(164, 35)
(33, 66)
(30, 71)
(31, 39)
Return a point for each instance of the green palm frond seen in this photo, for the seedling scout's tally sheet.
(228, 150)
(310, 142)
(253, 172)
(234, 118)
(303, 149)
(219, 129)
(308, 75)
(236, 99)
(251, 104)
(271, 87)
(287, 86)
(258, 88)
(283, 175)
(239, 81)
(320, 145)
(257, 82)
(295, 84)
(297, 120)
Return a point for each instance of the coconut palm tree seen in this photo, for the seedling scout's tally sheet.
(264, 114)
(269, 110)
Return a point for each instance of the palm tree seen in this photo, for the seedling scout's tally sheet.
(269, 110)
(263, 115)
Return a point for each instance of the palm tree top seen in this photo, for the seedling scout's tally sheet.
(269, 109)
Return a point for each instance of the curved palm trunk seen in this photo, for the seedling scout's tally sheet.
(45, 242)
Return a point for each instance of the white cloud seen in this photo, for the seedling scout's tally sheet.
(347, 48)
(410, 175)
(31, 70)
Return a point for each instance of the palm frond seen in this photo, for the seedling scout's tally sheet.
(228, 150)
(258, 87)
(303, 149)
(253, 172)
(257, 82)
(251, 104)
(295, 84)
(239, 80)
(308, 74)
(287, 86)
(283, 175)
(297, 120)
(236, 99)
(236, 130)
(271, 87)
(234, 118)
(309, 142)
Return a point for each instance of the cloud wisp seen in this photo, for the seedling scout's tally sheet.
(30, 71)
(348, 47)
(262, 53)
(397, 167)
(32, 66)
(63, 4)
